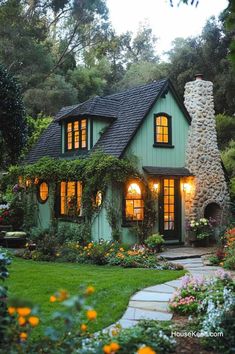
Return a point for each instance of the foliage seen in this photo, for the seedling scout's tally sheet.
(155, 242)
(5, 260)
(113, 217)
(12, 123)
(225, 127)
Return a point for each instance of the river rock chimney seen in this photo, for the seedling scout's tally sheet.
(203, 159)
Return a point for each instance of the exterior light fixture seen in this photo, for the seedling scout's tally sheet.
(155, 187)
(187, 187)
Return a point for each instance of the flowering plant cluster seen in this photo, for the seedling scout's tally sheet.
(225, 254)
(202, 228)
(195, 292)
(100, 253)
(6, 216)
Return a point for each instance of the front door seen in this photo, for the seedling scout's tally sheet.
(170, 209)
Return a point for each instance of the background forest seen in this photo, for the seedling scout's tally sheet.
(61, 52)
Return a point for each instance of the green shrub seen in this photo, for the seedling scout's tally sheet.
(155, 242)
(229, 263)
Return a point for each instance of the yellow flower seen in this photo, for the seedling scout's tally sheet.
(91, 315)
(146, 350)
(121, 249)
(83, 327)
(90, 290)
(85, 248)
(34, 321)
(63, 295)
(90, 245)
(23, 336)
(11, 310)
(53, 298)
(21, 320)
(23, 311)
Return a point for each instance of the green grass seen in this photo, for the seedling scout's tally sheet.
(36, 281)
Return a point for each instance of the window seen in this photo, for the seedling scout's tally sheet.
(76, 135)
(134, 204)
(43, 192)
(162, 130)
(70, 198)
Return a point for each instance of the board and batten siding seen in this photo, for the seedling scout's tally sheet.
(98, 127)
(142, 143)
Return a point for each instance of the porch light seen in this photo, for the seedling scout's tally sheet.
(155, 187)
(187, 187)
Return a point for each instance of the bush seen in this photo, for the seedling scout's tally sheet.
(155, 242)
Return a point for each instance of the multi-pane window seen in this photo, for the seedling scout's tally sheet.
(134, 204)
(70, 198)
(162, 129)
(76, 134)
(169, 204)
(43, 192)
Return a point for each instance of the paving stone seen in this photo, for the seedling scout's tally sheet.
(129, 313)
(174, 283)
(151, 296)
(163, 288)
(150, 305)
(152, 315)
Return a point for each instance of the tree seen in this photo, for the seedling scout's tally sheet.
(225, 126)
(12, 119)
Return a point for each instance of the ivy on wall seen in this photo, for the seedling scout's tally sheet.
(96, 172)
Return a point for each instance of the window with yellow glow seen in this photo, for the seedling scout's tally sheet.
(70, 198)
(76, 135)
(98, 198)
(43, 192)
(134, 204)
(162, 129)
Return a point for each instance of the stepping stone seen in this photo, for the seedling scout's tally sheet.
(152, 315)
(161, 289)
(150, 305)
(129, 314)
(151, 296)
(174, 283)
(127, 323)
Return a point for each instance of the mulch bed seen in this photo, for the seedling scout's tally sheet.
(188, 345)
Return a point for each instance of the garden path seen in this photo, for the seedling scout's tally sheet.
(152, 303)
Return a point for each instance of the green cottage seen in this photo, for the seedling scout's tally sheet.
(175, 146)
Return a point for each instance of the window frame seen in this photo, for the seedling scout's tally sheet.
(40, 200)
(169, 125)
(58, 205)
(131, 222)
(72, 121)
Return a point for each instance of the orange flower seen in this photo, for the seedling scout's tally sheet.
(114, 346)
(91, 315)
(83, 327)
(23, 311)
(90, 290)
(146, 350)
(121, 249)
(34, 321)
(23, 336)
(63, 295)
(21, 320)
(11, 310)
(53, 298)
(107, 349)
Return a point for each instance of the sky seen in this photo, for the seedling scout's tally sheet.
(166, 22)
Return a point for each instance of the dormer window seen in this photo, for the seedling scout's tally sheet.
(76, 134)
(162, 130)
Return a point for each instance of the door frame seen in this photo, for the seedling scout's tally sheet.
(177, 208)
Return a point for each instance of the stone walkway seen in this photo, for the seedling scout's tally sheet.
(152, 303)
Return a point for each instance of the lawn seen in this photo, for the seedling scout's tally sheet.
(36, 281)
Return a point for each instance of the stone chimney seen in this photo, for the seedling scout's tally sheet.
(210, 193)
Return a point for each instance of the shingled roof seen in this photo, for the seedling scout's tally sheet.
(126, 110)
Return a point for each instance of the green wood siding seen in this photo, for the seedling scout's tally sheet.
(98, 126)
(142, 143)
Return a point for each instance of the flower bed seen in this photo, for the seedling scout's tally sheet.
(100, 253)
(212, 303)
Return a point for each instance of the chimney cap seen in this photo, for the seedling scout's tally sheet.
(199, 77)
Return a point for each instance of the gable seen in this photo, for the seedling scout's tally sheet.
(142, 143)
